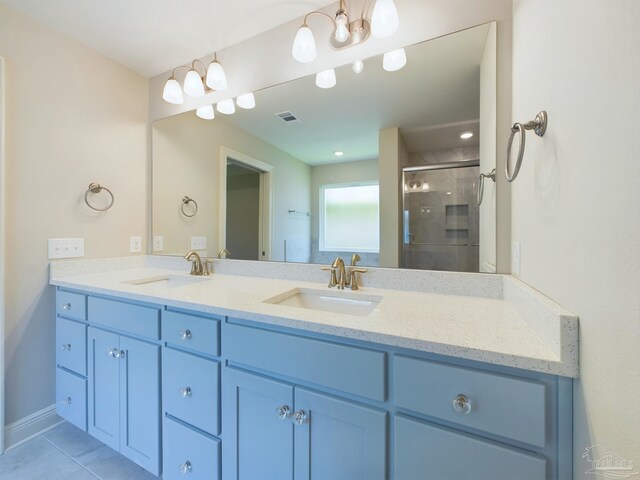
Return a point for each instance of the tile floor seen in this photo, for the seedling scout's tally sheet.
(68, 453)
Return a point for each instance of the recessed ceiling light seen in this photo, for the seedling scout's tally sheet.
(466, 135)
(338, 153)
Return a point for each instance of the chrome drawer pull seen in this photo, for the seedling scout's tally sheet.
(185, 335)
(66, 401)
(66, 347)
(283, 412)
(185, 392)
(121, 354)
(66, 306)
(185, 467)
(300, 417)
(462, 404)
(113, 352)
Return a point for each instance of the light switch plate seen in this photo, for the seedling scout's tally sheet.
(198, 243)
(65, 248)
(158, 243)
(135, 245)
(515, 261)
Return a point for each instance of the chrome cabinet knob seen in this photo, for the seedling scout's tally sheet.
(300, 417)
(185, 467)
(185, 334)
(462, 404)
(113, 352)
(185, 392)
(66, 401)
(66, 347)
(66, 306)
(283, 412)
(121, 354)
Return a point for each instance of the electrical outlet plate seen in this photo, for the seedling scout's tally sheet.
(515, 261)
(135, 245)
(198, 243)
(65, 248)
(158, 243)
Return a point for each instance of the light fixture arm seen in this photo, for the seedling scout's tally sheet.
(304, 23)
(173, 72)
(364, 9)
(193, 66)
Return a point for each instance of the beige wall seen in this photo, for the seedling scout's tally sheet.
(575, 203)
(186, 152)
(72, 117)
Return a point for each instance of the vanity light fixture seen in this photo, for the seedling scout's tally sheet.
(246, 101)
(466, 135)
(205, 112)
(226, 106)
(326, 79)
(358, 66)
(394, 60)
(195, 83)
(347, 33)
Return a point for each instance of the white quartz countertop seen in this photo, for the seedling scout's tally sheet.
(491, 330)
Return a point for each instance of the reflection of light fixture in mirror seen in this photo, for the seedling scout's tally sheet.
(226, 106)
(205, 112)
(448, 193)
(466, 135)
(358, 66)
(384, 22)
(338, 153)
(246, 101)
(394, 60)
(195, 84)
(326, 79)
(425, 186)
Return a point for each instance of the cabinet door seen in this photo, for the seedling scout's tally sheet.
(104, 387)
(339, 439)
(140, 403)
(258, 444)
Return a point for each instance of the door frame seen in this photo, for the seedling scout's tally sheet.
(2, 247)
(265, 215)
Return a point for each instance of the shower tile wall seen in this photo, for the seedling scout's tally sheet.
(441, 220)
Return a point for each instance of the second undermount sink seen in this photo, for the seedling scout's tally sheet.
(327, 301)
(169, 281)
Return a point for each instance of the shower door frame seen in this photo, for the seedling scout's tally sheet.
(422, 168)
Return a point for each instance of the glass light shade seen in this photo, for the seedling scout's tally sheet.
(226, 106)
(246, 101)
(384, 19)
(358, 66)
(193, 84)
(394, 60)
(206, 112)
(216, 78)
(342, 28)
(326, 79)
(304, 46)
(172, 92)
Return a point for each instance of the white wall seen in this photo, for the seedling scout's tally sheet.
(72, 117)
(575, 203)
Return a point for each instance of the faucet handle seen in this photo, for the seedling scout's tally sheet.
(354, 279)
(333, 281)
(207, 267)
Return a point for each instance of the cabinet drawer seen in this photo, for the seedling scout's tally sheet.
(507, 406)
(71, 305)
(424, 451)
(186, 451)
(191, 389)
(71, 345)
(195, 333)
(349, 369)
(71, 398)
(126, 317)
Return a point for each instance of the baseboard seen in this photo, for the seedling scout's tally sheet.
(31, 426)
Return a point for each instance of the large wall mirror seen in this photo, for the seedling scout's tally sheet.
(392, 165)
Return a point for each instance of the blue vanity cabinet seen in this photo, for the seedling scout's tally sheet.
(71, 357)
(124, 380)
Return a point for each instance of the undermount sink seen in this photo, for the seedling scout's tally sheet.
(327, 301)
(169, 281)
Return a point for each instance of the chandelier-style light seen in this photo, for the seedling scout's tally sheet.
(195, 83)
(384, 22)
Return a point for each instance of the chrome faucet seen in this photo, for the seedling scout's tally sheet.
(196, 263)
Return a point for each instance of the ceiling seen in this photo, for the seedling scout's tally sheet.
(433, 99)
(153, 36)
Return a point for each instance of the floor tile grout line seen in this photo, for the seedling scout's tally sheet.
(70, 457)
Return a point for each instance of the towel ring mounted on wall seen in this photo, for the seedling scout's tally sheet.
(481, 178)
(539, 126)
(186, 201)
(96, 188)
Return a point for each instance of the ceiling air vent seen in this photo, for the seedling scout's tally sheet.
(287, 117)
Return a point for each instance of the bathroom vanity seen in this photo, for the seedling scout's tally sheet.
(213, 377)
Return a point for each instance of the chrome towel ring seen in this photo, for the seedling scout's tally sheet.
(186, 201)
(96, 188)
(539, 126)
(481, 178)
